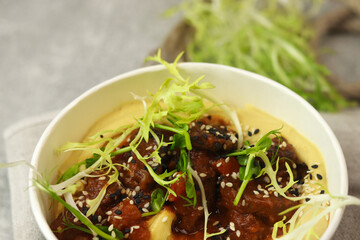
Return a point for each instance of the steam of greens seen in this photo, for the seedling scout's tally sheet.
(268, 37)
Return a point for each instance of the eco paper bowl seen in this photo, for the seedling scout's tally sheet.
(234, 86)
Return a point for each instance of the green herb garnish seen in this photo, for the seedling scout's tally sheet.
(268, 37)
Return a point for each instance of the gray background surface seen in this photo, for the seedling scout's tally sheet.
(52, 51)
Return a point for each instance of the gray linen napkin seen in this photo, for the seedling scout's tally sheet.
(21, 138)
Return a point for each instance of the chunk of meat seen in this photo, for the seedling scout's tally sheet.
(213, 135)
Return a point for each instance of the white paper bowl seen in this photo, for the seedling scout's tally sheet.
(236, 87)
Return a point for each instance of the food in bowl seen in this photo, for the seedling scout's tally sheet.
(148, 179)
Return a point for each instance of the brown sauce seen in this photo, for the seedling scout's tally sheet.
(122, 206)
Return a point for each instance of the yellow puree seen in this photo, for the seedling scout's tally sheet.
(250, 118)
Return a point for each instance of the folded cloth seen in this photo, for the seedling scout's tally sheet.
(21, 138)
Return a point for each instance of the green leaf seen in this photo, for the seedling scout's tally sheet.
(242, 159)
(72, 171)
(105, 229)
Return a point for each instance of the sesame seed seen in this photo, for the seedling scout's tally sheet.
(76, 219)
(227, 159)
(133, 193)
(99, 218)
(130, 158)
(136, 227)
(113, 234)
(294, 165)
(145, 210)
(243, 202)
(118, 217)
(315, 166)
(238, 233)
(218, 164)
(148, 148)
(232, 226)
(81, 197)
(249, 133)
(256, 131)
(126, 235)
(164, 219)
(319, 176)
(215, 223)
(228, 238)
(131, 202)
(266, 196)
(200, 208)
(146, 205)
(276, 194)
(267, 179)
(202, 127)
(256, 192)
(259, 187)
(102, 178)
(108, 213)
(85, 193)
(279, 179)
(222, 184)
(111, 227)
(137, 188)
(266, 192)
(202, 175)
(229, 184)
(81, 204)
(234, 175)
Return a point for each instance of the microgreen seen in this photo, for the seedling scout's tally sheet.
(250, 167)
(268, 37)
(158, 199)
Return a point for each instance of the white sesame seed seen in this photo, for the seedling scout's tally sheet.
(81, 197)
(234, 175)
(279, 179)
(148, 148)
(108, 213)
(171, 138)
(146, 205)
(224, 146)
(266, 196)
(136, 227)
(76, 219)
(243, 202)
(130, 158)
(102, 178)
(232, 226)
(215, 223)
(256, 192)
(133, 193)
(81, 204)
(113, 234)
(99, 218)
(202, 127)
(111, 227)
(222, 184)
(266, 192)
(202, 175)
(145, 210)
(85, 193)
(294, 165)
(137, 188)
(227, 159)
(228, 238)
(218, 164)
(200, 208)
(259, 187)
(118, 217)
(229, 184)
(193, 124)
(126, 235)
(131, 202)
(164, 219)
(276, 194)
(238, 233)
(267, 179)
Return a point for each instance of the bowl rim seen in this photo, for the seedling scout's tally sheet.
(33, 191)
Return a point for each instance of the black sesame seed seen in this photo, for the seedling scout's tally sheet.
(307, 199)
(126, 230)
(112, 195)
(217, 146)
(319, 176)
(204, 136)
(256, 131)
(84, 210)
(310, 176)
(102, 136)
(146, 197)
(209, 117)
(118, 212)
(249, 133)
(315, 166)
(322, 192)
(94, 218)
(195, 138)
(197, 187)
(133, 161)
